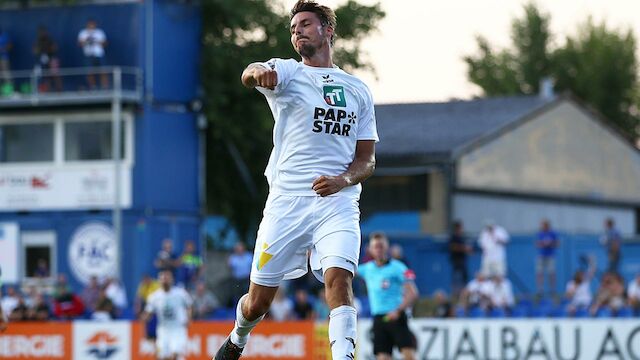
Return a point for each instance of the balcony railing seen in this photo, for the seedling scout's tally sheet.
(70, 86)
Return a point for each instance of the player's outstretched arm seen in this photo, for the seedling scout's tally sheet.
(257, 75)
(359, 170)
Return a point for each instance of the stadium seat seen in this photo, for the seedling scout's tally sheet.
(460, 312)
(477, 312)
(604, 313)
(520, 311)
(581, 313)
(625, 312)
(497, 313)
(541, 311)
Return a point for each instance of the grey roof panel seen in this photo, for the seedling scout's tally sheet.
(440, 128)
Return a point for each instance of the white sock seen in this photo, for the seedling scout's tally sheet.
(240, 333)
(342, 332)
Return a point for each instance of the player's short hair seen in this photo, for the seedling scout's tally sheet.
(378, 235)
(326, 15)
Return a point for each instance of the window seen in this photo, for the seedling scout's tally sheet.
(26, 143)
(395, 193)
(38, 251)
(89, 140)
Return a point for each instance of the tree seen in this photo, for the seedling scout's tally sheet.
(598, 65)
(236, 33)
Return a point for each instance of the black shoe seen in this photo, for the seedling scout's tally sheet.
(228, 351)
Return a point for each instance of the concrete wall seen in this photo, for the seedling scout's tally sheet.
(564, 152)
(434, 221)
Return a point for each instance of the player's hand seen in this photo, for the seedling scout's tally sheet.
(328, 185)
(392, 316)
(265, 78)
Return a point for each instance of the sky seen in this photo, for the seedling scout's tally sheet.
(418, 49)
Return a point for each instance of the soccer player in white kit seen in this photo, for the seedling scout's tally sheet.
(324, 147)
(172, 306)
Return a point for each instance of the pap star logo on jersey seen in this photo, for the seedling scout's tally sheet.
(334, 95)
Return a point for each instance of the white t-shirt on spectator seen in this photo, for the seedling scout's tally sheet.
(492, 245)
(8, 304)
(478, 289)
(170, 306)
(93, 40)
(281, 310)
(116, 294)
(501, 294)
(581, 293)
(633, 291)
(241, 265)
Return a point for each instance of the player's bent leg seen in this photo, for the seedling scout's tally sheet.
(249, 312)
(343, 317)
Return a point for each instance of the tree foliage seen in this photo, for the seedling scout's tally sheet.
(235, 34)
(598, 64)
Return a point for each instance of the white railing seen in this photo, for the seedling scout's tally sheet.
(70, 85)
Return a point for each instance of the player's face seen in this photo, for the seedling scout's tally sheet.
(378, 249)
(307, 33)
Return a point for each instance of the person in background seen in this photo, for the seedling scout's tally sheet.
(42, 269)
(40, 310)
(21, 311)
(281, 308)
(396, 252)
(610, 295)
(321, 308)
(458, 252)
(391, 289)
(5, 66)
(204, 302)
(633, 294)
(103, 309)
(10, 300)
(612, 241)
(146, 287)
(45, 49)
(493, 240)
(501, 293)
(67, 305)
(115, 292)
(166, 258)
(190, 265)
(239, 263)
(547, 243)
(90, 294)
(442, 304)
(302, 308)
(477, 292)
(93, 42)
(578, 290)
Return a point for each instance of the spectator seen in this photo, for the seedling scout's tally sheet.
(30, 296)
(45, 49)
(321, 308)
(204, 302)
(10, 300)
(90, 294)
(42, 269)
(302, 308)
(458, 251)
(67, 305)
(477, 292)
(610, 295)
(5, 65)
(116, 293)
(239, 263)
(611, 240)
(61, 286)
(281, 308)
(501, 293)
(633, 294)
(547, 243)
(190, 265)
(578, 290)
(93, 42)
(166, 258)
(104, 307)
(442, 304)
(20, 312)
(40, 310)
(146, 287)
(396, 252)
(493, 240)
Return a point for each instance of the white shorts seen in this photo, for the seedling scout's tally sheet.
(326, 228)
(491, 268)
(171, 340)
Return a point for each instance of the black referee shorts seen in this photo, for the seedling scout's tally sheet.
(387, 334)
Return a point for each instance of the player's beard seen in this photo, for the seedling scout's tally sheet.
(307, 50)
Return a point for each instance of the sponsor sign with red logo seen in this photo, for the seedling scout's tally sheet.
(270, 340)
(36, 341)
(102, 340)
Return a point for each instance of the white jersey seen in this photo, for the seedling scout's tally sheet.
(170, 306)
(320, 114)
(93, 40)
